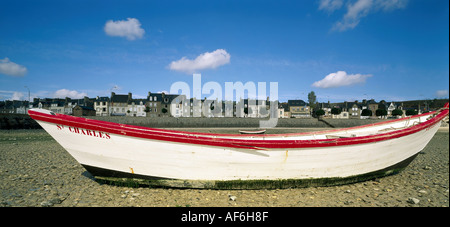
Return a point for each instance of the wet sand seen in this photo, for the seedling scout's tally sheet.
(37, 171)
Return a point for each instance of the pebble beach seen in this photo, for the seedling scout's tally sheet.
(35, 171)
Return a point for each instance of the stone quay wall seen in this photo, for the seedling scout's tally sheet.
(22, 121)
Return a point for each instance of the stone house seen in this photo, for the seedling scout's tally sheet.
(57, 106)
(119, 104)
(70, 104)
(299, 109)
(79, 110)
(391, 106)
(373, 106)
(101, 106)
(283, 110)
(354, 109)
(326, 106)
(136, 108)
(164, 105)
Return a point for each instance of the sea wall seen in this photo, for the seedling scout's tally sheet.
(171, 122)
(21, 121)
(17, 121)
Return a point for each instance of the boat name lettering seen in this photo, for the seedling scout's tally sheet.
(86, 132)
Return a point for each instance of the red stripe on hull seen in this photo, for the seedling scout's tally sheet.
(206, 139)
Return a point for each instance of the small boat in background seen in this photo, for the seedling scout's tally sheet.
(172, 158)
(252, 132)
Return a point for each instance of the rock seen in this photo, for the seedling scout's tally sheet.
(46, 204)
(51, 202)
(422, 191)
(413, 200)
(232, 197)
(427, 168)
(56, 201)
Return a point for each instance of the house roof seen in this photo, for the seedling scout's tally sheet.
(102, 99)
(296, 103)
(119, 98)
(138, 101)
(324, 105)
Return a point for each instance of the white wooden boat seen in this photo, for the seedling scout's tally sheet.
(187, 159)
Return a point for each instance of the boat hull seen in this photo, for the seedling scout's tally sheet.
(214, 162)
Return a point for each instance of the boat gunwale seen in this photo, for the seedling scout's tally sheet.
(221, 140)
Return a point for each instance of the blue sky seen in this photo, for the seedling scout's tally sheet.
(343, 50)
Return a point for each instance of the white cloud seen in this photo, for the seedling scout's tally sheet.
(340, 79)
(12, 69)
(14, 95)
(356, 10)
(442, 93)
(17, 96)
(62, 93)
(330, 5)
(131, 28)
(388, 5)
(208, 60)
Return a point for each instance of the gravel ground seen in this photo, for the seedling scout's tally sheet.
(36, 171)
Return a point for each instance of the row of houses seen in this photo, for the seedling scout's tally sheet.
(167, 105)
(79, 107)
(349, 110)
(154, 105)
(353, 110)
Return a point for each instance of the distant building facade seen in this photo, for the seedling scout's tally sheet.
(299, 109)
